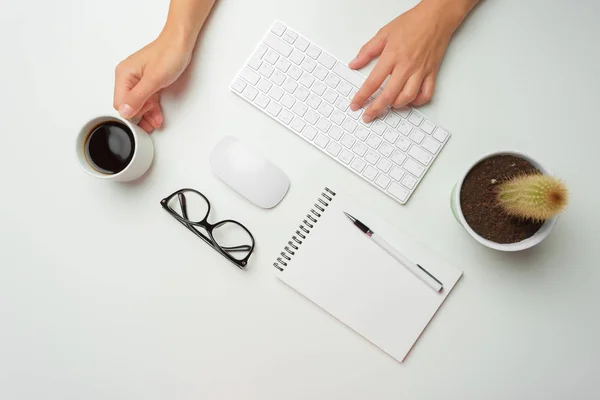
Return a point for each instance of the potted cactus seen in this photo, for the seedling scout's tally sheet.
(507, 201)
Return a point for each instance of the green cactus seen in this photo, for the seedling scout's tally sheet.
(535, 197)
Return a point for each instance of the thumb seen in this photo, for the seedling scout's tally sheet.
(370, 50)
(137, 97)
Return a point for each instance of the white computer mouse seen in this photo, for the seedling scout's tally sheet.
(248, 172)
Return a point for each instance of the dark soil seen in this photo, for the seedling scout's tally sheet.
(478, 200)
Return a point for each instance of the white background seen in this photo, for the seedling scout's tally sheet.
(104, 296)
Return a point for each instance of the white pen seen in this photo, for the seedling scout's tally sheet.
(416, 269)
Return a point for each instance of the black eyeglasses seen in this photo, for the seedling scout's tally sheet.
(228, 237)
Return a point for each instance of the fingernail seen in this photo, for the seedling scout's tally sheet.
(126, 111)
(367, 118)
(354, 106)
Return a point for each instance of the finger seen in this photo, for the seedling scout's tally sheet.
(125, 80)
(371, 49)
(426, 93)
(409, 92)
(146, 125)
(135, 99)
(155, 116)
(375, 79)
(386, 97)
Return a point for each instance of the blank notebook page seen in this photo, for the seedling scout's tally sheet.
(344, 272)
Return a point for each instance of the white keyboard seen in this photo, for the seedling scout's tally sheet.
(308, 90)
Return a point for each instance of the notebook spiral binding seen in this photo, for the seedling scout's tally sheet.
(312, 217)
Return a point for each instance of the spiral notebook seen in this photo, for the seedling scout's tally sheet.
(334, 265)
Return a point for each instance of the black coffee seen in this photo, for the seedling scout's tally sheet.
(109, 147)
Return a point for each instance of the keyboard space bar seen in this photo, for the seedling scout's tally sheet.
(349, 75)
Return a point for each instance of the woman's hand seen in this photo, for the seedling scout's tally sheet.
(140, 77)
(410, 50)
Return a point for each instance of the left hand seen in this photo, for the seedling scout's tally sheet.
(410, 50)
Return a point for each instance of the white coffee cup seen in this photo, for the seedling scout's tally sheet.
(143, 153)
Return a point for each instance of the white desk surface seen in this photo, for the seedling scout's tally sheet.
(104, 296)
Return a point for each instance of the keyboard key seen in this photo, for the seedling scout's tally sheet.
(287, 101)
(255, 63)
(295, 72)
(313, 51)
(404, 111)
(238, 85)
(398, 192)
(346, 157)
(301, 93)
(384, 165)
(301, 44)
(278, 28)
(404, 128)
(250, 76)
(319, 88)
(323, 125)
(274, 109)
(342, 104)
(386, 149)
(250, 93)
(336, 133)
(397, 173)
(306, 80)
(262, 101)
(403, 144)
(439, 134)
(286, 116)
(349, 125)
(348, 141)
(283, 65)
(308, 65)
(309, 132)
(361, 133)
(344, 88)
(382, 181)
(290, 36)
(415, 118)
(320, 73)
(372, 157)
(354, 114)
(297, 124)
(311, 117)
(313, 101)
(290, 86)
(277, 78)
(358, 165)
(271, 57)
(370, 173)
(360, 149)
(334, 148)
(296, 57)
(299, 109)
(264, 85)
(414, 167)
(420, 155)
(330, 96)
(277, 44)
(391, 136)
(332, 80)
(337, 117)
(398, 158)
(326, 60)
(321, 141)
(431, 145)
(374, 141)
(392, 119)
(417, 136)
(266, 70)
(325, 109)
(409, 181)
(378, 127)
(275, 93)
(428, 126)
(349, 75)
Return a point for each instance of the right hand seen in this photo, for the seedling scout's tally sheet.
(141, 76)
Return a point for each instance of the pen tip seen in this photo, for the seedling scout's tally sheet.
(350, 217)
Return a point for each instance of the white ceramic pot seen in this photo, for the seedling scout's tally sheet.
(540, 235)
